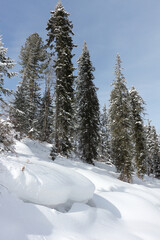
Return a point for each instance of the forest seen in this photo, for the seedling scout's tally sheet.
(51, 104)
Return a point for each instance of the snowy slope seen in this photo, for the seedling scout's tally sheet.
(116, 210)
(42, 182)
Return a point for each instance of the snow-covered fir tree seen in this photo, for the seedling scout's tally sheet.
(5, 65)
(149, 149)
(6, 136)
(18, 115)
(104, 146)
(46, 110)
(137, 104)
(156, 153)
(60, 41)
(152, 151)
(27, 97)
(120, 117)
(88, 109)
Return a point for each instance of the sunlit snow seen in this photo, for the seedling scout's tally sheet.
(70, 200)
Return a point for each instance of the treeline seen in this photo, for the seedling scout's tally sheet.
(51, 104)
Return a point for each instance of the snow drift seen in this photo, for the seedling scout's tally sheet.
(44, 183)
(117, 210)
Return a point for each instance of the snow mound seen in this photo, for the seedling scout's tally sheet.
(117, 210)
(44, 183)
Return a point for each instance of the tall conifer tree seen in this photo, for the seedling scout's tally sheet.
(60, 38)
(152, 151)
(149, 149)
(156, 154)
(27, 97)
(88, 109)
(137, 104)
(120, 117)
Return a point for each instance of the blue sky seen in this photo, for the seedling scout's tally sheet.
(129, 27)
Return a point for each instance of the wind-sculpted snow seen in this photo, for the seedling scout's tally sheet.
(44, 183)
(116, 211)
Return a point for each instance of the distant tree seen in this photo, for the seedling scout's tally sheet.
(104, 146)
(153, 151)
(5, 65)
(149, 148)
(60, 39)
(138, 132)
(88, 109)
(156, 154)
(27, 97)
(46, 121)
(120, 117)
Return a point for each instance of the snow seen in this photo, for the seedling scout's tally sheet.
(70, 200)
(40, 182)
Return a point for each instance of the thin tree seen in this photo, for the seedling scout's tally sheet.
(60, 40)
(47, 110)
(104, 146)
(156, 154)
(149, 149)
(120, 117)
(88, 109)
(153, 151)
(137, 104)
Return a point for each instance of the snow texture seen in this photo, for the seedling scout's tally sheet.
(43, 183)
(117, 210)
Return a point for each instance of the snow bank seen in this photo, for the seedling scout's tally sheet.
(117, 210)
(22, 221)
(45, 183)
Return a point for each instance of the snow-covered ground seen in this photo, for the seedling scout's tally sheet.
(70, 200)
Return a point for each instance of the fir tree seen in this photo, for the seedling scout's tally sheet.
(18, 110)
(104, 146)
(60, 37)
(6, 136)
(138, 132)
(27, 97)
(156, 154)
(120, 118)
(88, 109)
(5, 65)
(46, 110)
(149, 149)
(152, 147)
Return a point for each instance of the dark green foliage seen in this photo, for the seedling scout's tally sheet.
(120, 117)
(138, 132)
(88, 109)
(18, 110)
(156, 154)
(25, 112)
(46, 115)
(152, 150)
(60, 38)
(149, 149)
(104, 146)
(46, 118)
